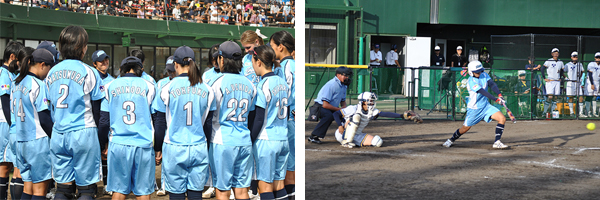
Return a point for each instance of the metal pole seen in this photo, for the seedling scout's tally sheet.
(532, 103)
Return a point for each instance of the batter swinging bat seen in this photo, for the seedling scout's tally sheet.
(512, 117)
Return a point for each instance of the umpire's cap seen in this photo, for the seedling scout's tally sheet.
(343, 71)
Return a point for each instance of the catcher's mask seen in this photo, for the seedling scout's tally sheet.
(369, 98)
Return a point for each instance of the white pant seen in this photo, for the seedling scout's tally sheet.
(553, 87)
(573, 89)
(589, 91)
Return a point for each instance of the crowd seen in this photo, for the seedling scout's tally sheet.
(233, 12)
(69, 123)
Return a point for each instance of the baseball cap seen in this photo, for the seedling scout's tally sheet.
(377, 46)
(394, 46)
(459, 48)
(183, 52)
(99, 56)
(43, 55)
(343, 70)
(50, 47)
(229, 49)
(131, 59)
(522, 73)
(597, 55)
(574, 54)
(554, 50)
(437, 48)
(170, 65)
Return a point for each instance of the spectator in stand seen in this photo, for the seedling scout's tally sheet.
(274, 8)
(214, 16)
(177, 13)
(156, 14)
(141, 13)
(262, 18)
(239, 19)
(239, 6)
(286, 11)
(249, 7)
(253, 18)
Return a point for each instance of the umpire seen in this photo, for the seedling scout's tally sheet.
(331, 98)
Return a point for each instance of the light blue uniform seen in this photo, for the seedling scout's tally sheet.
(287, 71)
(72, 86)
(148, 77)
(128, 100)
(108, 79)
(231, 147)
(478, 107)
(248, 70)
(6, 79)
(271, 148)
(161, 83)
(32, 146)
(185, 154)
(208, 75)
(333, 92)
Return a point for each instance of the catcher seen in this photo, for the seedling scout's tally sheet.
(353, 119)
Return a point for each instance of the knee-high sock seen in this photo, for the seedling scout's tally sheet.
(546, 106)
(553, 105)
(580, 108)
(499, 131)
(588, 107)
(571, 107)
(594, 103)
(455, 136)
(3, 188)
(16, 188)
(291, 190)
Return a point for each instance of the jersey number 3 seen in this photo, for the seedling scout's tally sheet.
(129, 107)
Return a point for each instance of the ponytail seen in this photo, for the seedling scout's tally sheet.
(25, 66)
(285, 38)
(21, 55)
(194, 74)
(266, 55)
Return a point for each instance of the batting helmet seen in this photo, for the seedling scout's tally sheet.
(475, 67)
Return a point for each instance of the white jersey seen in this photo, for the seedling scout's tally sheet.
(391, 57)
(364, 118)
(553, 68)
(374, 56)
(595, 69)
(573, 70)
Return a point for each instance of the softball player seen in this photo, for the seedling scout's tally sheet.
(574, 71)
(33, 122)
(230, 150)
(214, 68)
(16, 184)
(100, 61)
(353, 119)
(593, 83)
(6, 78)
(553, 67)
(478, 107)
(126, 109)
(186, 106)
(74, 91)
(170, 74)
(250, 39)
(284, 44)
(140, 54)
(269, 131)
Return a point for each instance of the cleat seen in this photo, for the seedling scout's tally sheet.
(448, 143)
(208, 193)
(162, 192)
(499, 145)
(582, 115)
(232, 196)
(252, 196)
(314, 139)
(349, 145)
(51, 194)
(107, 192)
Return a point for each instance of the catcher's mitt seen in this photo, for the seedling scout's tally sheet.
(411, 115)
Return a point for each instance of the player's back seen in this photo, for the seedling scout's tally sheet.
(208, 75)
(29, 97)
(248, 70)
(235, 98)
(273, 95)
(287, 71)
(186, 108)
(128, 100)
(162, 82)
(148, 77)
(6, 79)
(72, 85)
(476, 100)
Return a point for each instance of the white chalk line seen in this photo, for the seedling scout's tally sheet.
(365, 152)
(583, 149)
(552, 165)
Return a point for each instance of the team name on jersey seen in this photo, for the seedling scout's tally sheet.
(279, 88)
(129, 89)
(66, 74)
(238, 87)
(21, 88)
(188, 90)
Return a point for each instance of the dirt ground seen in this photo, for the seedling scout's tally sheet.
(547, 160)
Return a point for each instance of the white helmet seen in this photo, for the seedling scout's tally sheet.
(475, 67)
(369, 98)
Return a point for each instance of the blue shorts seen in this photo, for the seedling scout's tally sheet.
(11, 155)
(474, 116)
(271, 157)
(231, 166)
(32, 160)
(184, 167)
(130, 169)
(5, 149)
(291, 161)
(76, 156)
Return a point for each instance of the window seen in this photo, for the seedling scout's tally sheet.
(321, 42)
(162, 53)
(120, 54)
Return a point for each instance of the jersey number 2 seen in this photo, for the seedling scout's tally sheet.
(64, 92)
